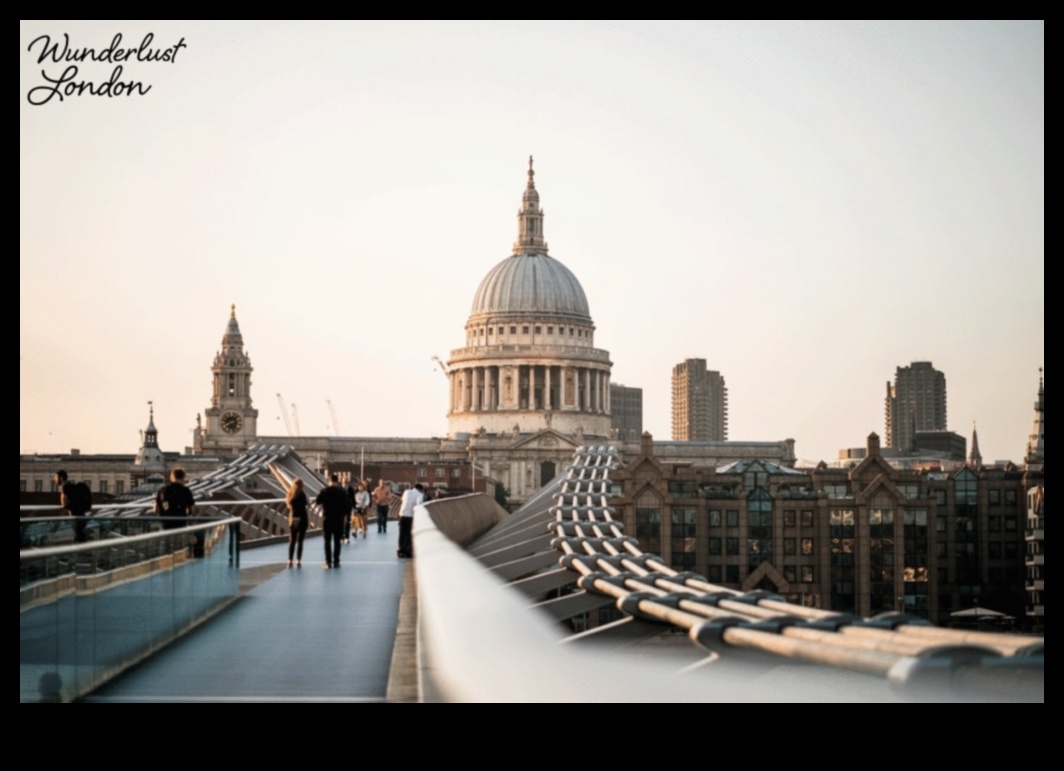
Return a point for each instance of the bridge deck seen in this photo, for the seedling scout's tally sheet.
(307, 634)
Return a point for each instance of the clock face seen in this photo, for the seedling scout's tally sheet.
(231, 422)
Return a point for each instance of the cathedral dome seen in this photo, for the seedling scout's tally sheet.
(529, 363)
(531, 284)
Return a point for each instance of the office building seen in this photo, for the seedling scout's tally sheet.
(916, 401)
(699, 403)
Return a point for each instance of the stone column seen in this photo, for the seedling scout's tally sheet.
(546, 392)
(586, 404)
(467, 390)
(531, 386)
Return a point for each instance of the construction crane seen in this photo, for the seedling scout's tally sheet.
(284, 415)
(442, 366)
(295, 418)
(332, 413)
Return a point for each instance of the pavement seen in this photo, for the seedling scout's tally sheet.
(307, 634)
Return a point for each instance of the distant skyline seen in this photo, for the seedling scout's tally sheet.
(806, 206)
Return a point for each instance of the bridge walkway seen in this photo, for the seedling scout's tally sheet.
(304, 634)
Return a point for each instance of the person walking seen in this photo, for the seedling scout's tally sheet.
(174, 501)
(382, 496)
(413, 497)
(335, 508)
(76, 499)
(362, 504)
(298, 521)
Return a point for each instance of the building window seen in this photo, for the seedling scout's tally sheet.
(995, 497)
(714, 546)
(422, 472)
(103, 486)
(22, 485)
(732, 574)
(441, 473)
(550, 330)
(714, 518)
(790, 518)
(733, 519)
(807, 519)
(790, 546)
(910, 491)
(837, 491)
(683, 539)
(683, 489)
(38, 486)
(1010, 497)
(539, 330)
(807, 547)
(456, 473)
(648, 529)
(120, 487)
(731, 546)
(808, 576)
(513, 330)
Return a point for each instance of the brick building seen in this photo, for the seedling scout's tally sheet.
(866, 540)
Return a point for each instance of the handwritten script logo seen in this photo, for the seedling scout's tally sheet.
(67, 83)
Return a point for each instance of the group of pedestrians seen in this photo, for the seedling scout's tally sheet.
(346, 512)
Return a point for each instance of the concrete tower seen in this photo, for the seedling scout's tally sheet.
(699, 403)
(915, 402)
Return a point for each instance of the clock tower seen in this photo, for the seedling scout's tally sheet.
(230, 419)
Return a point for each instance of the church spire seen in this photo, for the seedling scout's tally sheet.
(975, 458)
(530, 219)
(1036, 444)
(232, 330)
(150, 457)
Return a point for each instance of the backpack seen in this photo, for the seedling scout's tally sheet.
(79, 498)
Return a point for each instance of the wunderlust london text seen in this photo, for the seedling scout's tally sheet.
(67, 83)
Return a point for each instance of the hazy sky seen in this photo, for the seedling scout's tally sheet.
(806, 206)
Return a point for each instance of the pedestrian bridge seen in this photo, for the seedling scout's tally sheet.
(552, 603)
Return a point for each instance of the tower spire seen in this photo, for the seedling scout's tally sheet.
(530, 219)
(975, 458)
(1036, 444)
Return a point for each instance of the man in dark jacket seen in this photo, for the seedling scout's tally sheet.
(335, 508)
(76, 499)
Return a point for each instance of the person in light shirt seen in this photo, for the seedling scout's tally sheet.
(411, 498)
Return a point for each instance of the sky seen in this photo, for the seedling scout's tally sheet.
(807, 206)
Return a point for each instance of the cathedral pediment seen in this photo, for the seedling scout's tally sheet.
(548, 439)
